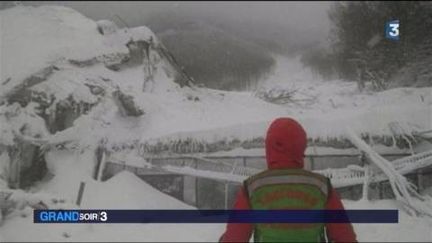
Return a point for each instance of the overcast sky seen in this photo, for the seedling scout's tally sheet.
(298, 22)
(309, 17)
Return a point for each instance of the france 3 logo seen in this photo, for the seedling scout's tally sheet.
(392, 30)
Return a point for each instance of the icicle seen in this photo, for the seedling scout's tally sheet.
(366, 183)
(409, 144)
(394, 141)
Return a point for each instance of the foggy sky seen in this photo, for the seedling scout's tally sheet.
(308, 17)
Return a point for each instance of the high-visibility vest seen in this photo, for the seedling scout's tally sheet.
(288, 189)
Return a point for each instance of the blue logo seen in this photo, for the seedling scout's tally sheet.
(392, 30)
(58, 216)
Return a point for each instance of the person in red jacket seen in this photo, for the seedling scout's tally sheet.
(286, 143)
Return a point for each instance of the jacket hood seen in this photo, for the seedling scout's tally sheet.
(285, 143)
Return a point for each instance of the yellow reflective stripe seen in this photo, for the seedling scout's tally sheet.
(287, 179)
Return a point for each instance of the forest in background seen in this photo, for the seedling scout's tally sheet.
(359, 51)
(222, 56)
(217, 59)
(235, 57)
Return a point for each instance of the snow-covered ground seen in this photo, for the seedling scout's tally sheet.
(408, 229)
(127, 191)
(124, 191)
(34, 38)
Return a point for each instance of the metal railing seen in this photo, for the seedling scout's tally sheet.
(212, 167)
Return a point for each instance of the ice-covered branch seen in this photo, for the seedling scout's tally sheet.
(404, 191)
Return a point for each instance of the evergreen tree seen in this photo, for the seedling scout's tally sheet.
(362, 54)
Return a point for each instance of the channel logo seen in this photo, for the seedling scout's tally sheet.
(161, 216)
(392, 30)
(69, 216)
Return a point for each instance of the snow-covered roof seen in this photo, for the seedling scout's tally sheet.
(410, 109)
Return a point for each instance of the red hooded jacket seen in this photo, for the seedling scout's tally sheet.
(285, 146)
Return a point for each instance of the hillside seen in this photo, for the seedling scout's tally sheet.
(216, 58)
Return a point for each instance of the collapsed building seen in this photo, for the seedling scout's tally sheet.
(48, 101)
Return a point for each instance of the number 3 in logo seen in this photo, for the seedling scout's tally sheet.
(103, 216)
(392, 30)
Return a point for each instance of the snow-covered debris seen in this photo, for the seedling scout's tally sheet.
(142, 33)
(126, 104)
(125, 191)
(368, 114)
(70, 83)
(202, 114)
(37, 37)
(54, 58)
(120, 191)
(18, 121)
(40, 37)
(404, 190)
(58, 59)
(106, 27)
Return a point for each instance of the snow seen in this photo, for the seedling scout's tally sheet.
(106, 26)
(409, 229)
(311, 150)
(401, 105)
(167, 108)
(69, 169)
(125, 191)
(142, 33)
(69, 82)
(223, 115)
(172, 112)
(131, 158)
(205, 174)
(36, 37)
(121, 192)
(15, 119)
(4, 169)
(404, 191)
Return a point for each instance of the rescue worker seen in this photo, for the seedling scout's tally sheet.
(286, 185)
